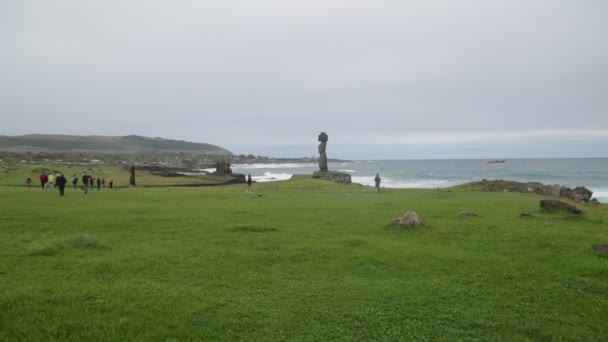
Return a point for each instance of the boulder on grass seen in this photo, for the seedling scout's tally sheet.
(603, 249)
(410, 219)
(555, 205)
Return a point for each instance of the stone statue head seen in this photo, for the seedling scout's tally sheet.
(323, 137)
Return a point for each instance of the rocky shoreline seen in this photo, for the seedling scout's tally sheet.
(579, 194)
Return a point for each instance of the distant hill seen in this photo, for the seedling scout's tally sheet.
(105, 144)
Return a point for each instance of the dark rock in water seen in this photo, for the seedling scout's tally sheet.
(554, 205)
(338, 177)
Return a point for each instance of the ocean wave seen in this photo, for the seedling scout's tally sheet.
(601, 195)
(272, 177)
(348, 171)
(272, 166)
(210, 170)
(406, 184)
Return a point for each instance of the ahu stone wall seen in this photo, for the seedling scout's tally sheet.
(333, 176)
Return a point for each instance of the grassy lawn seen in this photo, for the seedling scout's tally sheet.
(298, 260)
(16, 175)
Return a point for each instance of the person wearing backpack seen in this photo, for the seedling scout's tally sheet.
(74, 181)
(61, 181)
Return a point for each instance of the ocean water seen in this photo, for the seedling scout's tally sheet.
(430, 174)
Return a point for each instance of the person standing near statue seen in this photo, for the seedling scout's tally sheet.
(377, 180)
(323, 138)
(249, 183)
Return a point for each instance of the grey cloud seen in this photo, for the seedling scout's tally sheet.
(239, 72)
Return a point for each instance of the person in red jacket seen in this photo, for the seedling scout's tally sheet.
(43, 179)
(249, 182)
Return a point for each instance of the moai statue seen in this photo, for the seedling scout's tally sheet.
(322, 155)
(222, 167)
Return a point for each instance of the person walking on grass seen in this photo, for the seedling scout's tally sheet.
(61, 182)
(377, 180)
(103, 183)
(85, 181)
(51, 181)
(43, 180)
(249, 183)
(75, 181)
(98, 183)
(111, 183)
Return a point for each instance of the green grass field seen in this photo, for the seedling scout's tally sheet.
(298, 260)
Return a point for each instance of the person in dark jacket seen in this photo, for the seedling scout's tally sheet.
(61, 181)
(377, 180)
(98, 183)
(85, 181)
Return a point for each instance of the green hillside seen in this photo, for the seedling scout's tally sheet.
(109, 144)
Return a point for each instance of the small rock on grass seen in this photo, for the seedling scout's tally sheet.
(410, 219)
(466, 213)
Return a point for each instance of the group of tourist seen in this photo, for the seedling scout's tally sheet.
(49, 180)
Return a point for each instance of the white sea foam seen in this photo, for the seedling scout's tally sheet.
(272, 177)
(210, 170)
(272, 166)
(349, 171)
(405, 184)
(601, 195)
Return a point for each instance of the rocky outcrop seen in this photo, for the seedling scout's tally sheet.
(579, 194)
(338, 177)
(554, 205)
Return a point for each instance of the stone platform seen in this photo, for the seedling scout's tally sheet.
(338, 177)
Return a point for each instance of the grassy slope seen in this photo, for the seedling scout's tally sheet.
(16, 175)
(303, 259)
(104, 144)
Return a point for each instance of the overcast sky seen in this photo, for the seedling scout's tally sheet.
(385, 79)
